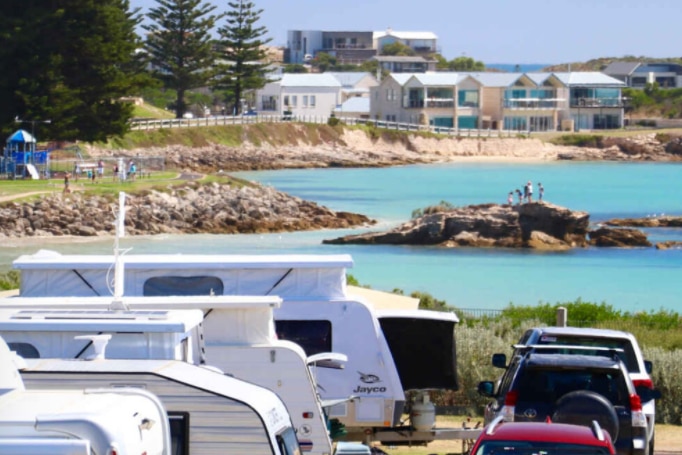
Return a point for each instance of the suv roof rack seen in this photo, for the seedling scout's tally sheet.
(493, 425)
(539, 347)
(598, 432)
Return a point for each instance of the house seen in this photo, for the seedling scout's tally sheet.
(354, 84)
(509, 101)
(303, 95)
(638, 75)
(422, 43)
(405, 63)
(353, 47)
(356, 107)
(348, 47)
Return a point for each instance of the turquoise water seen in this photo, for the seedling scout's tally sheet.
(629, 279)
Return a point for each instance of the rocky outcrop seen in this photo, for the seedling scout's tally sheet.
(534, 225)
(647, 222)
(668, 245)
(186, 209)
(620, 237)
(644, 147)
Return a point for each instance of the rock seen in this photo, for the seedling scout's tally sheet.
(668, 244)
(534, 225)
(190, 208)
(653, 221)
(621, 237)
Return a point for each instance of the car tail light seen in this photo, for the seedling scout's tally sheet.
(648, 383)
(510, 399)
(638, 418)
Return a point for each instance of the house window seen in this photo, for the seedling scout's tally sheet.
(467, 98)
(312, 100)
(287, 101)
(313, 336)
(305, 100)
(390, 118)
(294, 100)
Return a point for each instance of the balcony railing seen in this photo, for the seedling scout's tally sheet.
(527, 103)
(596, 102)
(442, 102)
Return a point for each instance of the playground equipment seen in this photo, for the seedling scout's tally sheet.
(21, 159)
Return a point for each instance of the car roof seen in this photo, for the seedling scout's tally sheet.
(572, 360)
(575, 331)
(545, 431)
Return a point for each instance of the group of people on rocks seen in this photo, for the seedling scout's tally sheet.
(527, 194)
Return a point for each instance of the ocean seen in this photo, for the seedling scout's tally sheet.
(629, 279)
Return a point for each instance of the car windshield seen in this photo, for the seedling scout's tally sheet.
(538, 448)
(550, 385)
(627, 356)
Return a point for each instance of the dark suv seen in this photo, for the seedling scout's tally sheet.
(571, 388)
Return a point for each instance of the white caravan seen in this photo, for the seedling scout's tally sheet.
(77, 422)
(388, 353)
(234, 334)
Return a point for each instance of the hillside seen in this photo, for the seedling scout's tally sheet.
(598, 64)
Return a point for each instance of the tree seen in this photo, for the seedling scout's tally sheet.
(465, 64)
(180, 46)
(397, 48)
(241, 42)
(323, 61)
(70, 62)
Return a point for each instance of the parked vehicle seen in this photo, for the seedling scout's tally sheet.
(62, 421)
(571, 388)
(388, 353)
(527, 438)
(630, 353)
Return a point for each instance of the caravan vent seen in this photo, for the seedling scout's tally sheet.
(90, 314)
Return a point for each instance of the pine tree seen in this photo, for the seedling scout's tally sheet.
(70, 62)
(180, 46)
(243, 67)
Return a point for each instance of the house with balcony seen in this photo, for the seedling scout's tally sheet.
(304, 95)
(509, 101)
(352, 47)
(447, 100)
(638, 75)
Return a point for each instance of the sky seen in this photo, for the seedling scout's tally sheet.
(493, 31)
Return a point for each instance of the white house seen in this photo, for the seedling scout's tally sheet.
(304, 95)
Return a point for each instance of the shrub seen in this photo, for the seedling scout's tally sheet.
(9, 280)
(580, 140)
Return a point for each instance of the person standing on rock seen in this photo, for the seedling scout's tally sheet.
(510, 198)
(67, 176)
(541, 191)
(518, 193)
(529, 188)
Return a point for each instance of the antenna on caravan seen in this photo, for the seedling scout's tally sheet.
(117, 303)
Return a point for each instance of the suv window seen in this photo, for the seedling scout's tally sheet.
(535, 448)
(549, 385)
(627, 356)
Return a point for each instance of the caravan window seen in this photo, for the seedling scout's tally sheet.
(161, 286)
(179, 429)
(288, 444)
(313, 336)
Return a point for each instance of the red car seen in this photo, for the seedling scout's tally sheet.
(547, 438)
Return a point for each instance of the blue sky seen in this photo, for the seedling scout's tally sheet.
(494, 31)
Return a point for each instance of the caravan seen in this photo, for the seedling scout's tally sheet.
(233, 334)
(389, 353)
(77, 422)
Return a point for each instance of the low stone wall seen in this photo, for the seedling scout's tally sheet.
(190, 208)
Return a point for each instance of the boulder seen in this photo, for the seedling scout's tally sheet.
(668, 244)
(533, 225)
(620, 237)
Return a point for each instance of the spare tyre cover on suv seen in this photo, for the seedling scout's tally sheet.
(581, 407)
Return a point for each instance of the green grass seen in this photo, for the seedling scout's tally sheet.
(151, 112)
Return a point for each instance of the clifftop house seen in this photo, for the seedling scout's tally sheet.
(638, 75)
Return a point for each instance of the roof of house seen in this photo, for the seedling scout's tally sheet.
(496, 79)
(621, 68)
(591, 78)
(350, 79)
(404, 35)
(440, 78)
(354, 104)
(309, 80)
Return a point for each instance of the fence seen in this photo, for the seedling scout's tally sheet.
(223, 120)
